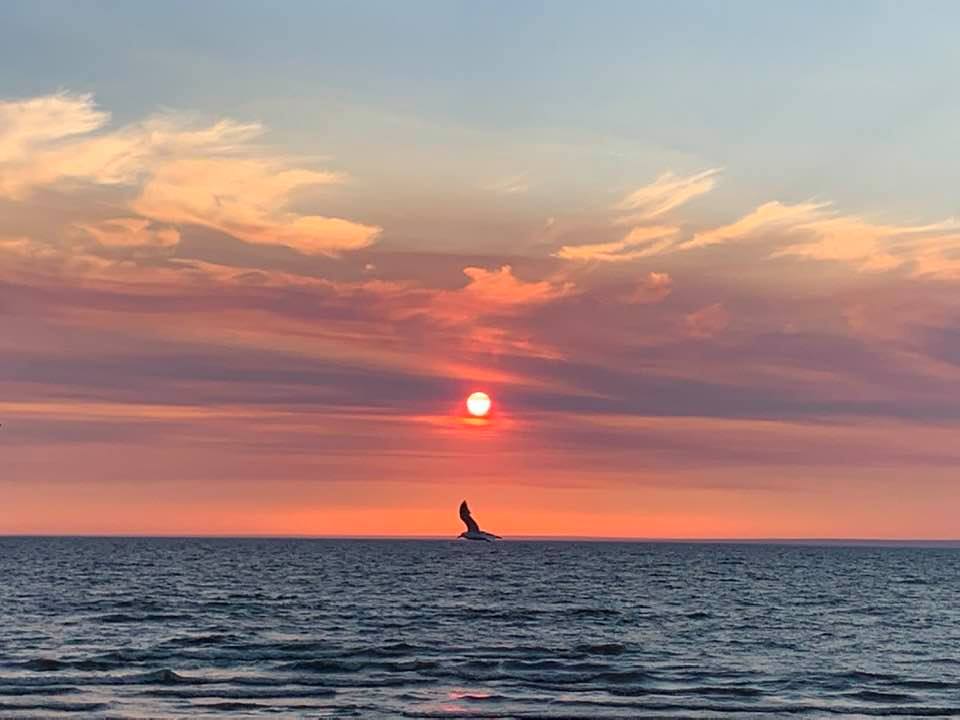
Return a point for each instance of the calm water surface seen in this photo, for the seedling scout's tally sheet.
(158, 628)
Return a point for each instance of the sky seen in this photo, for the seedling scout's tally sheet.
(704, 257)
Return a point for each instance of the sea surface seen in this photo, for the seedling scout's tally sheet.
(174, 628)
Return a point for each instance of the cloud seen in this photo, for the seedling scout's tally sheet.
(514, 185)
(241, 197)
(653, 289)
(74, 265)
(639, 208)
(667, 192)
(22, 254)
(873, 247)
(815, 231)
(486, 309)
(130, 232)
(502, 288)
(640, 242)
(708, 321)
(495, 292)
(182, 172)
(55, 141)
(769, 217)
(27, 126)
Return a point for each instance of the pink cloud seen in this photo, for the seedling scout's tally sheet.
(653, 289)
(707, 321)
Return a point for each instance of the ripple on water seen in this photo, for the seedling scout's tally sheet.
(242, 628)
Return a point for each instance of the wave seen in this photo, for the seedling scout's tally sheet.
(882, 697)
(142, 618)
(18, 690)
(56, 665)
(241, 693)
(393, 629)
(346, 666)
(602, 649)
(53, 706)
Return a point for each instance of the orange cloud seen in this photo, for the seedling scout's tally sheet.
(29, 126)
(488, 298)
(640, 242)
(640, 207)
(241, 197)
(212, 175)
(499, 291)
(667, 192)
(865, 245)
(130, 232)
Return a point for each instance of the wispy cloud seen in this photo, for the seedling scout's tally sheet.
(640, 242)
(640, 208)
(667, 192)
(817, 231)
(182, 172)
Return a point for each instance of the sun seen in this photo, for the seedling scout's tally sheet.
(478, 404)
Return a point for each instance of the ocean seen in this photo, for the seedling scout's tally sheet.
(231, 628)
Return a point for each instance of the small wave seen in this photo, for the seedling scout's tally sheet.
(622, 677)
(233, 693)
(200, 640)
(921, 684)
(506, 615)
(478, 664)
(555, 666)
(142, 618)
(57, 665)
(911, 581)
(602, 649)
(322, 666)
(399, 649)
(54, 706)
(42, 665)
(18, 690)
(882, 697)
(233, 706)
(341, 666)
(697, 691)
(589, 612)
(158, 677)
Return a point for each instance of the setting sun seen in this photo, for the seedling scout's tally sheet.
(478, 404)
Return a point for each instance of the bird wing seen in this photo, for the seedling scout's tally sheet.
(467, 518)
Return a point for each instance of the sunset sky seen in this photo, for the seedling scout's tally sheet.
(704, 257)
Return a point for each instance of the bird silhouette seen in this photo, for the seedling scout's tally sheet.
(473, 531)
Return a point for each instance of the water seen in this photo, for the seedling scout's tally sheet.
(385, 629)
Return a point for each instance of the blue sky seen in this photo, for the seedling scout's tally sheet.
(854, 98)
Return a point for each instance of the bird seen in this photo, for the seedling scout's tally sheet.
(473, 530)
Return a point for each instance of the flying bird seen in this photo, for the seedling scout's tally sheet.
(473, 530)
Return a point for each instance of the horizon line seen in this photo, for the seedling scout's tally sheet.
(528, 538)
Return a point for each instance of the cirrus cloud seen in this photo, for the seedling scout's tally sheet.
(640, 242)
(667, 192)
